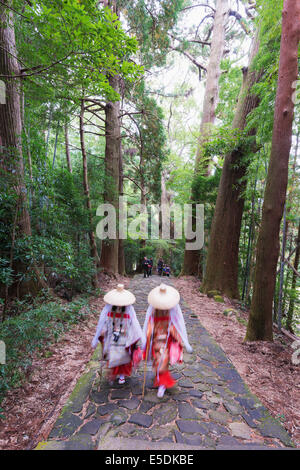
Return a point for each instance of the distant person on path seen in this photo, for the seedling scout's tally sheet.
(165, 334)
(150, 266)
(166, 271)
(145, 265)
(160, 265)
(119, 332)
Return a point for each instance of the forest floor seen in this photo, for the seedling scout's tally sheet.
(31, 411)
(265, 367)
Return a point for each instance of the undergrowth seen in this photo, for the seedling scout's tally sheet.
(31, 332)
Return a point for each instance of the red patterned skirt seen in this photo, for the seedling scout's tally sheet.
(124, 369)
(164, 378)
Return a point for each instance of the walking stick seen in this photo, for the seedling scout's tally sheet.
(100, 376)
(100, 372)
(145, 367)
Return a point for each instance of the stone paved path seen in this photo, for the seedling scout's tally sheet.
(209, 408)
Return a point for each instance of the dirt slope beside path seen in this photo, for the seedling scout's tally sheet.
(265, 367)
(31, 410)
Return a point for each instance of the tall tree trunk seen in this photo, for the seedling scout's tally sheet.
(251, 235)
(110, 248)
(68, 156)
(165, 200)
(222, 259)
(143, 204)
(211, 96)
(55, 145)
(109, 258)
(12, 166)
(285, 230)
(121, 255)
(260, 317)
(11, 156)
(27, 135)
(93, 246)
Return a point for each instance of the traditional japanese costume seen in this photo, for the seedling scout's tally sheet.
(119, 332)
(165, 334)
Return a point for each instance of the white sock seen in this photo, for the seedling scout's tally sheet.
(121, 378)
(161, 391)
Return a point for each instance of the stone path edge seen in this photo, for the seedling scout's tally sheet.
(74, 403)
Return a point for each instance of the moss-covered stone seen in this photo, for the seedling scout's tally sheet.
(219, 416)
(270, 427)
(212, 293)
(228, 312)
(165, 414)
(208, 442)
(65, 426)
(218, 298)
(51, 445)
(157, 432)
(152, 397)
(80, 392)
(80, 442)
(118, 417)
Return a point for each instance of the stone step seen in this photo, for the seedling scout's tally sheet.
(118, 443)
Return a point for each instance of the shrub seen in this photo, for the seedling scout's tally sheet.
(32, 331)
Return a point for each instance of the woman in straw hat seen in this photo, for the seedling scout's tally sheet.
(164, 334)
(119, 331)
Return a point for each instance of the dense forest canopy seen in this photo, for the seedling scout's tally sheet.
(161, 102)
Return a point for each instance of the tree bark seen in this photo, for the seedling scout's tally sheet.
(285, 230)
(68, 156)
(11, 157)
(121, 255)
(211, 96)
(222, 259)
(93, 246)
(143, 204)
(110, 248)
(260, 317)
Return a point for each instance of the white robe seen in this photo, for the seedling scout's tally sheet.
(134, 332)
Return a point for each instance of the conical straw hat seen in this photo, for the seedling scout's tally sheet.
(163, 297)
(119, 297)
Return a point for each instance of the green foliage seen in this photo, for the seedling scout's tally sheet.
(6, 273)
(145, 150)
(267, 59)
(75, 46)
(179, 181)
(230, 85)
(59, 224)
(32, 332)
(205, 187)
(224, 140)
(151, 20)
(68, 49)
